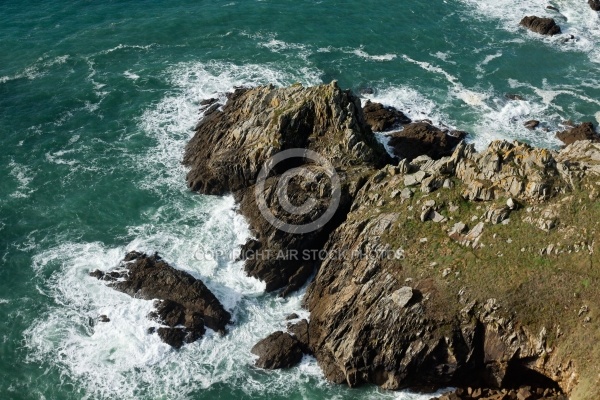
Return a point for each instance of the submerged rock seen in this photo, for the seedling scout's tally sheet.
(184, 303)
(531, 124)
(543, 26)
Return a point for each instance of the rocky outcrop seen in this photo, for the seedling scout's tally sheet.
(381, 118)
(543, 26)
(594, 4)
(510, 170)
(580, 159)
(231, 146)
(452, 268)
(403, 335)
(301, 333)
(583, 131)
(422, 138)
(278, 350)
(184, 304)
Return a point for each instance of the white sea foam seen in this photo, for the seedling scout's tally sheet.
(444, 56)
(36, 70)
(574, 17)
(487, 60)
(410, 101)
(279, 45)
(170, 122)
(470, 97)
(129, 47)
(494, 116)
(363, 54)
(23, 175)
(131, 75)
(119, 359)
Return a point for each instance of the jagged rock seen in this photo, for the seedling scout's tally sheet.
(459, 227)
(509, 169)
(183, 299)
(414, 179)
(358, 333)
(583, 131)
(208, 102)
(301, 333)
(403, 296)
(381, 118)
(594, 4)
(432, 183)
(291, 317)
(496, 215)
(278, 350)
(422, 138)
(425, 214)
(578, 158)
(174, 337)
(231, 146)
(103, 318)
(543, 26)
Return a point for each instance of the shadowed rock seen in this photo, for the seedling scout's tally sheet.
(381, 118)
(583, 131)
(231, 146)
(422, 138)
(278, 350)
(594, 4)
(543, 26)
(184, 303)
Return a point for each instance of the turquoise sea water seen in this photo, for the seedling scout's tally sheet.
(97, 101)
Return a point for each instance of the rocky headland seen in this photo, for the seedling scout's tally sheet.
(444, 267)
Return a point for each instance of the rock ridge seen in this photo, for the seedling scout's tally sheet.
(441, 249)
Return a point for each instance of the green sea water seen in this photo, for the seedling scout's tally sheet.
(97, 101)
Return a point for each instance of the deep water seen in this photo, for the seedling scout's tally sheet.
(97, 101)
